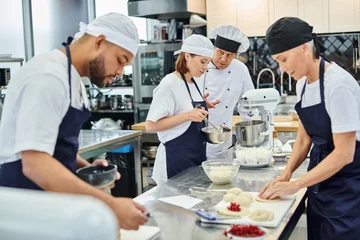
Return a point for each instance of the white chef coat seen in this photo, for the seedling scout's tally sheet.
(227, 85)
(170, 98)
(37, 99)
(342, 98)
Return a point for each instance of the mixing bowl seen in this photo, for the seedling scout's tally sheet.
(221, 171)
(98, 176)
(248, 133)
(216, 136)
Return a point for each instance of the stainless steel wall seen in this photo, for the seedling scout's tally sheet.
(54, 20)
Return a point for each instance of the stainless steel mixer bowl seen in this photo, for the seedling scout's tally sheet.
(213, 136)
(248, 133)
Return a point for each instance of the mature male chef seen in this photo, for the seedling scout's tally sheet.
(45, 108)
(225, 81)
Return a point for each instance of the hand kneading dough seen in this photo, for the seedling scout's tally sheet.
(268, 200)
(229, 197)
(226, 212)
(262, 215)
(235, 191)
(243, 201)
(247, 195)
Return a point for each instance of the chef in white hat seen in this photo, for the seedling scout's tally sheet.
(46, 106)
(175, 113)
(224, 82)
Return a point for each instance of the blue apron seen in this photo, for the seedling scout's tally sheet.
(66, 147)
(189, 149)
(333, 210)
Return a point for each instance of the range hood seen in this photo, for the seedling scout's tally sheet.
(166, 9)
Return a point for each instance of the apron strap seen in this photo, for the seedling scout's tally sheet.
(187, 86)
(66, 45)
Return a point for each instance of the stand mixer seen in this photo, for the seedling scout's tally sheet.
(265, 100)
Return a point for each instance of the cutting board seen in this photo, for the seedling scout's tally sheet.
(279, 208)
(144, 233)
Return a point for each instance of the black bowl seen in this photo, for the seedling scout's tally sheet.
(98, 176)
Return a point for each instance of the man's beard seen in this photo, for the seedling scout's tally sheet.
(97, 71)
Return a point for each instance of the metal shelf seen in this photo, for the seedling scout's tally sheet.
(112, 111)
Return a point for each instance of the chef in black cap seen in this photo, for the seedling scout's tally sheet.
(329, 111)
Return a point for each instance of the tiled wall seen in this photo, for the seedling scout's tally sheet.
(335, 47)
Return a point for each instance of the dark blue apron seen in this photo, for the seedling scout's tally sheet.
(66, 147)
(189, 149)
(333, 210)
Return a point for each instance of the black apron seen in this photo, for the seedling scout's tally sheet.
(66, 147)
(333, 210)
(188, 149)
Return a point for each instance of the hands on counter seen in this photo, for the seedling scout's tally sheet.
(279, 186)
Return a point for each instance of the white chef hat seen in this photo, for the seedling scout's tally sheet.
(117, 29)
(197, 44)
(231, 39)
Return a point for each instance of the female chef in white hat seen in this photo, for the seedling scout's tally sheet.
(329, 109)
(226, 80)
(173, 113)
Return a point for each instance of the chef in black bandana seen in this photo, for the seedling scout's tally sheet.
(329, 112)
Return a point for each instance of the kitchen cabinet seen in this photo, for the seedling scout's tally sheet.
(253, 17)
(283, 8)
(316, 13)
(220, 13)
(344, 15)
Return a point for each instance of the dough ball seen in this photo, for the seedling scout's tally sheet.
(262, 215)
(226, 212)
(268, 200)
(243, 201)
(235, 190)
(229, 197)
(247, 195)
(221, 176)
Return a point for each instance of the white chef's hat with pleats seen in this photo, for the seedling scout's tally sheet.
(117, 29)
(231, 39)
(197, 44)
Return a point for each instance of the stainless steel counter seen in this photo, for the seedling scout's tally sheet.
(95, 142)
(179, 223)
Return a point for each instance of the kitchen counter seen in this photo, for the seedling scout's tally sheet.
(96, 142)
(282, 124)
(179, 223)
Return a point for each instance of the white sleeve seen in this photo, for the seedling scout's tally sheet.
(248, 85)
(41, 107)
(163, 103)
(343, 110)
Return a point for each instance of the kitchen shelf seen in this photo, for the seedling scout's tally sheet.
(112, 111)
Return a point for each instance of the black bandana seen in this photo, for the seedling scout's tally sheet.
(287, 33)
(226, 44)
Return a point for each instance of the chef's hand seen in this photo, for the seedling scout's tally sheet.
(284, 177)
(279, 189)
(210, 104)
(130, 214)
(197, 114)
(105, 163)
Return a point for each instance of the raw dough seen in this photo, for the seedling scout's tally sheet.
(235, 190)
(221, 176)
(268, 200)
(226, 212)
(229, 197)
(247, 195)
(243, 201)
(262, 215)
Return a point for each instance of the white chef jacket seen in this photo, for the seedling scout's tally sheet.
(227, 85)
(170, 98)
(342, 98)
(36, 101)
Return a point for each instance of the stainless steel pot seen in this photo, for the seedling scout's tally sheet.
(149, 152)
(248, 133)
